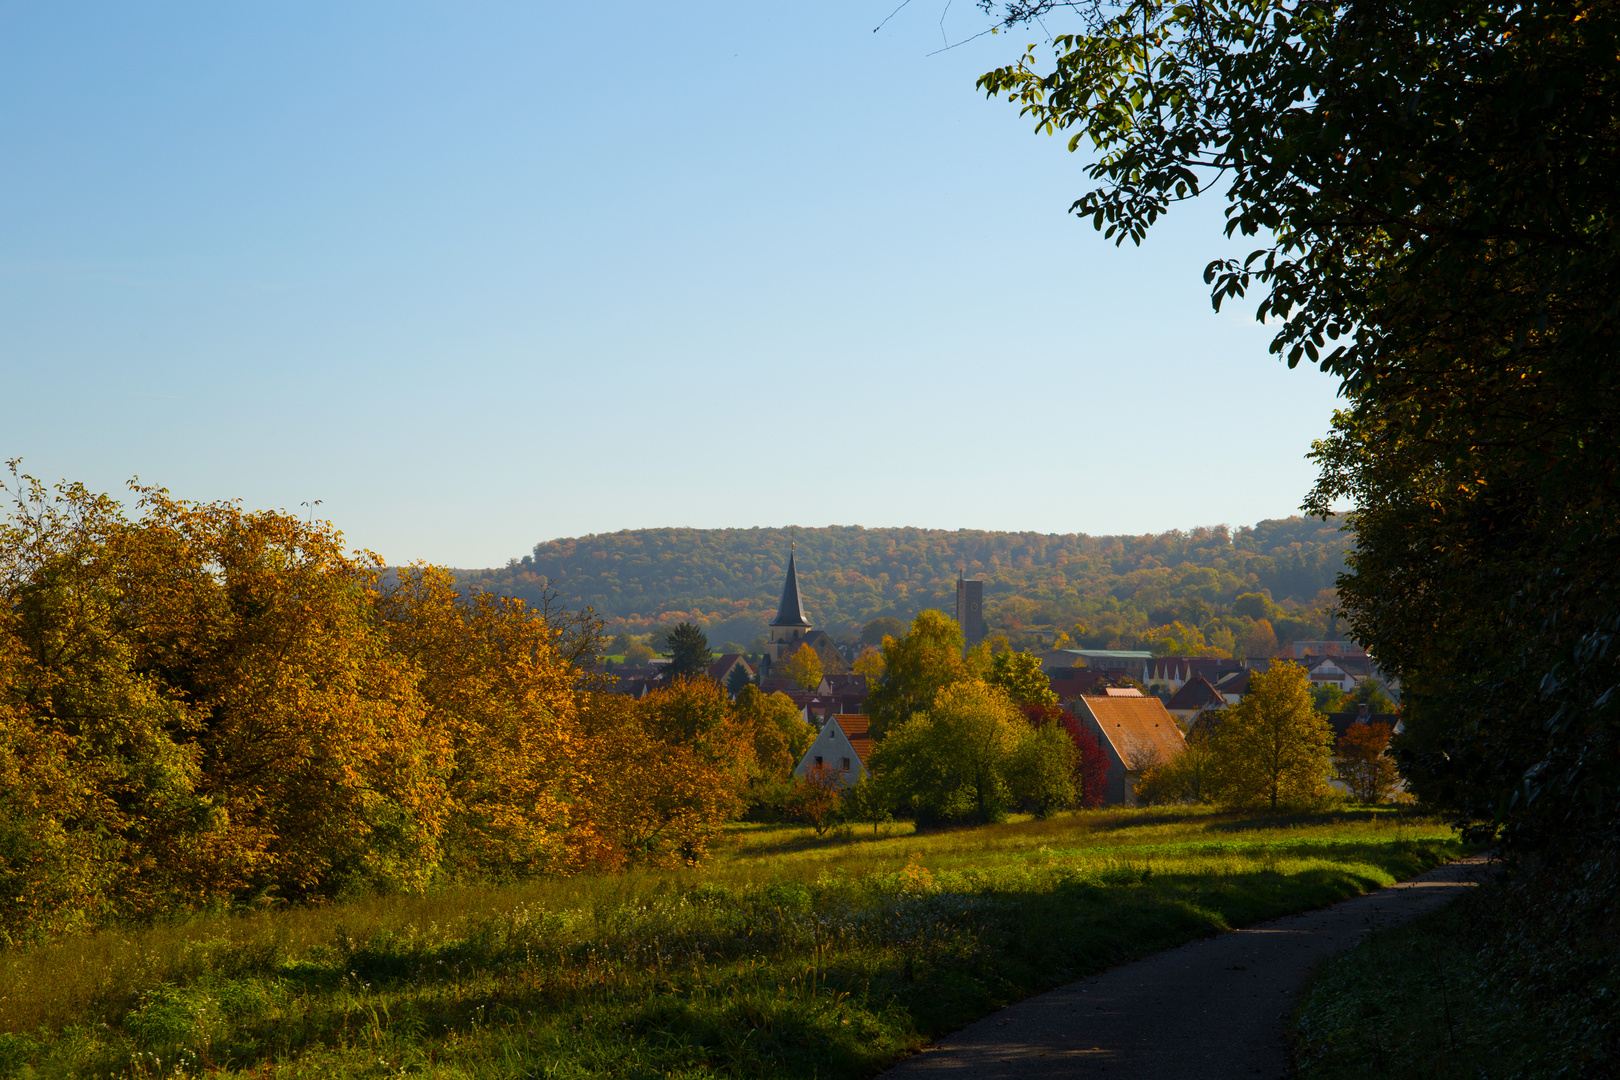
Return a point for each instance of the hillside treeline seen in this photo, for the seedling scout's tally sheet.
(729, 580)
(203, 707)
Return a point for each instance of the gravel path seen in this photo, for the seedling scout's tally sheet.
(1213, 1009)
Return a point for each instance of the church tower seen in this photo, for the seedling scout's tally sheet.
(790, 626)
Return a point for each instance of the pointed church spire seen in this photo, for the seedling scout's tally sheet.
(790, 612)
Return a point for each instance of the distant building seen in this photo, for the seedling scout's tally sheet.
(1110, 661)
(791, 628)
(1297, 649)
(841, 749)
(1135, 733)
(970, 610)
(1195, 695)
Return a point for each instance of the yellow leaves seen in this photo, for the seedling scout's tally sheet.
(802, 668)
(1273, 747)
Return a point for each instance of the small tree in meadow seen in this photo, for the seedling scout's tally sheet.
(1273, 747)
(868, 801)
(1364, 763)
(817, 799)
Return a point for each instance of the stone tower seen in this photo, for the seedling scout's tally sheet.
(790, 626)
(970, 610)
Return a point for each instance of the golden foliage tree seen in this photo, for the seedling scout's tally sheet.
(780, 735)
(1187, 777)
(802, 667)
(203, 705)
(663, 774)
(1273, 746)
(870, 664)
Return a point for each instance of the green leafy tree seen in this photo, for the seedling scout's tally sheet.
(1372, 695)
(954, 762)
(1327, 698)
(1273, 747)
(1020, 677)
(689, 655)
(781, 736)
(916, 668)
(737, 680)
(869, 801)
(1430, 181)
(1189, 777)
(1040, 774)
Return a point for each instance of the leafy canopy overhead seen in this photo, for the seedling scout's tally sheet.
(1429, 186)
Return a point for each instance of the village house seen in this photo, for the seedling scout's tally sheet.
(841, 748)
(720, 671)
(1195, 696)
(1135, 732)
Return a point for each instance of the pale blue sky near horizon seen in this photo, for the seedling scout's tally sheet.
(481, 275)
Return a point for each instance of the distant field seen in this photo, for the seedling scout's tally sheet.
(787, 956)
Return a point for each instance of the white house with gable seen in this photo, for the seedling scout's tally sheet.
(841, 749)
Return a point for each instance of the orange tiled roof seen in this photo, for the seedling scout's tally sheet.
(858, 727)
(1136, 725)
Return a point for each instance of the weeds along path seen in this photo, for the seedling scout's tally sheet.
(1214, 1009)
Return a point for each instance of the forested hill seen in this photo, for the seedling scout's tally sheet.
(729, 580)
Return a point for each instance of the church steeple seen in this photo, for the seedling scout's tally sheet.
(790, 612)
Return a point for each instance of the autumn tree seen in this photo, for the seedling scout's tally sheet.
(500, 702)
(870, 664)
(780, 734)
(817, 799)
(916, 668)
(689, 654)
(1273, 747)
(1364, 764)
(1261, 640)
(1020, 677)
(1189, 777)
(662, 774)
(1091, 765)
(802, 668)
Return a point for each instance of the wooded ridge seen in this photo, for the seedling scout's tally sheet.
(729, 580)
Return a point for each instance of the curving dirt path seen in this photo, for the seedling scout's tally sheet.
(1209, 1010)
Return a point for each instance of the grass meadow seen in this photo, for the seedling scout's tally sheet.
(786, 955)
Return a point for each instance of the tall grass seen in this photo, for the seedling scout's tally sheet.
(788, 955)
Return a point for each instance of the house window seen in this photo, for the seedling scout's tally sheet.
(846, 764)
(818, 761)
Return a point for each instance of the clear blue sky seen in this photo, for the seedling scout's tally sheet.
(479, 275)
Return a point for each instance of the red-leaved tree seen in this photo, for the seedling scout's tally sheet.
(1091, 768)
